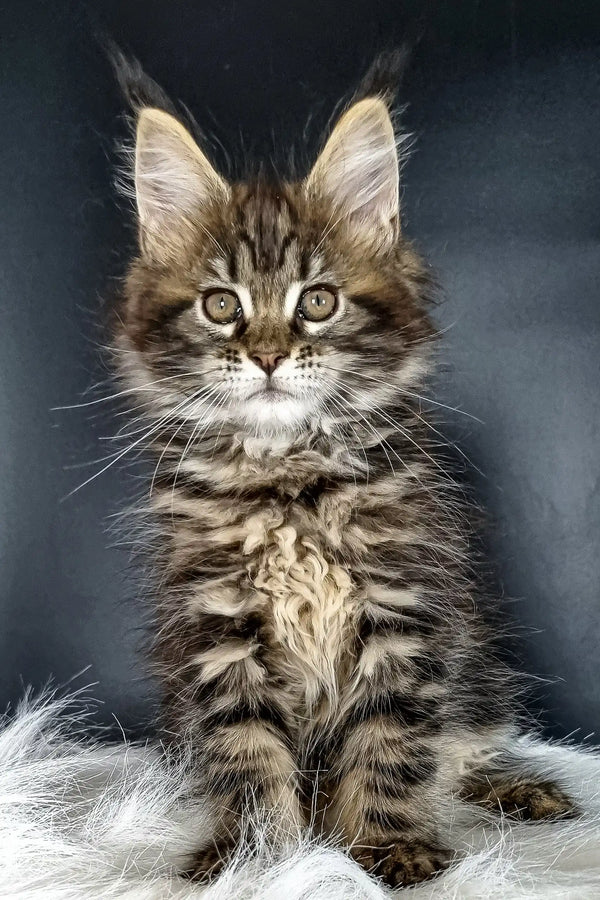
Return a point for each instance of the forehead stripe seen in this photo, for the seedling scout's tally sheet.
(245, 238)
(290, 238)
(232, 266)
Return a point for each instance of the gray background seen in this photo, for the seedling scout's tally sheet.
(503, 195)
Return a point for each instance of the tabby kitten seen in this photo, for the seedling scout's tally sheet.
(316, 611)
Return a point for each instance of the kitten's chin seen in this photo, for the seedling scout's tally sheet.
(275, 412)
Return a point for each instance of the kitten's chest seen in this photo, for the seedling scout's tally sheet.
(308, 599)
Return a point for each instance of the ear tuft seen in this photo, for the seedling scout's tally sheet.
(173, 182)
(357, 170)
(384, 76)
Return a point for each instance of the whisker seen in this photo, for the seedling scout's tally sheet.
(172, 438)
(402, 390)
(218, 437)
(450, 443)
(211, 237)
(197, 395)
(401, 429)
(381, 440)
(132, 446)
(329, 226)
(127, 391)
(340, 434)
(214, 405)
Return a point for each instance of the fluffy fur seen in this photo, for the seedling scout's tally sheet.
(82, 820)
(318, 631)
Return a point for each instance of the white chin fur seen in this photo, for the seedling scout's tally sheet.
(263, 415)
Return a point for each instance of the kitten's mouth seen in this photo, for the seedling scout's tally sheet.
(269, 392)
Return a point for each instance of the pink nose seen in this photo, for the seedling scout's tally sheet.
(268, 362)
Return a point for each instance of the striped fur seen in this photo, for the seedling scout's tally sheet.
(317, 620)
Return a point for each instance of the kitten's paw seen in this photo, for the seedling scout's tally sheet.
(522, 798)
(534, 800)
(403, 862)
(208, 863)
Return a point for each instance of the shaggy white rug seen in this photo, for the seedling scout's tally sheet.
(82, 820)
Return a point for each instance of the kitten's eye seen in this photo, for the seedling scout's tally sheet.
(317, 304)
(222, 307)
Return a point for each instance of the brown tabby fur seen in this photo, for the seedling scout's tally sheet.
(316, 610)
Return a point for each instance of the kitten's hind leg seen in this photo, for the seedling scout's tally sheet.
(509, 787)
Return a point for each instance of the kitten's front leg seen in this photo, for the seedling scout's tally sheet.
(240, 731)
(387, 799)
(248, 769)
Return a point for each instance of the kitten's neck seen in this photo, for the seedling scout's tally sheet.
(237, 463)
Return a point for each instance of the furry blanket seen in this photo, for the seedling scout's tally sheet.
(79, 819)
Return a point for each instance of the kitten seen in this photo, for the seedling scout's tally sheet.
(317, 608)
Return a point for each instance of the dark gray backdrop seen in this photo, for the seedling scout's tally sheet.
(503, 195)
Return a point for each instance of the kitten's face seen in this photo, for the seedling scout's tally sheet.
(273, 309)
(269, 312)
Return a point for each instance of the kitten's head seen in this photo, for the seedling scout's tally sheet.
(270, 308)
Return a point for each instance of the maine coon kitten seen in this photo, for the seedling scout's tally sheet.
(316, 608)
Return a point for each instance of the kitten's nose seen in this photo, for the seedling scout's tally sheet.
(268, 362)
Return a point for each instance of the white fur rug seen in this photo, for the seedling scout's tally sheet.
(82, 820)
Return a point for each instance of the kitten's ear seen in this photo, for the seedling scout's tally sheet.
(357, 170)
(173, 182)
